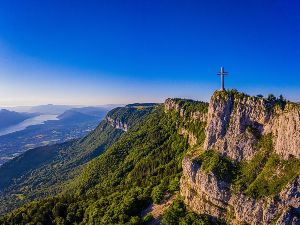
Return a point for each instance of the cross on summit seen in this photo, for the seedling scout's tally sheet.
(222, 73)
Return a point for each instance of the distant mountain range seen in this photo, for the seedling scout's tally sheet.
(55, 109)
(9, 118)
(65, 112)
(83, 114)
(50, 109)
(72, 123)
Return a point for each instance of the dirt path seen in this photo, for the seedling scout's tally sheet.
(157, 210)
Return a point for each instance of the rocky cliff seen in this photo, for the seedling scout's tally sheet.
(124, 118)
(191, 117)
(117, 123)
(235, 121)
(189, 109)
(236, 125)
(204, 193)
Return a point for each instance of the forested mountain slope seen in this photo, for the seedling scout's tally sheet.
(234, 160)
(44, 171)
(117, 185)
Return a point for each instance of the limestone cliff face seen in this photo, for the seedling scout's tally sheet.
(205, 194)
(187, 116)
(126, 117)
(285, 126)
(235, 121)
(192, 139)
(173, 105)
(117, 123)
(234, 124)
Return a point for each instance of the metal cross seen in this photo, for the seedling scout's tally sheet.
(222, 73)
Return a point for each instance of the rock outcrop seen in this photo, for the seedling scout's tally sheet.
(118, 124)
(192, 139)
(124, 118)
(235, 123)
(285, 126)
(174, 105)
(188, 114)
(236, 120)
(205, 194)
(171, 104)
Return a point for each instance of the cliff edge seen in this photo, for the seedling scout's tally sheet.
(247, 171)
(236, 121)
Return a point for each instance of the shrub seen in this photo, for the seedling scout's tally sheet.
(157, 194)
(222, 167)
(266, 174)
(177, 214)
(174, 213)
(148, 218)
(174, 185)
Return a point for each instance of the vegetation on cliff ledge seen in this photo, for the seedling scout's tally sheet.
(178, 214)
(183, 117)
(270, 101)
(222, 167)
(266, 174)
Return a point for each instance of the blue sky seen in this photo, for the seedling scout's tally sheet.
(100, 52)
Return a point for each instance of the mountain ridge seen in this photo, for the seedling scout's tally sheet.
(9, 118)
(65, 160)
(168, 149)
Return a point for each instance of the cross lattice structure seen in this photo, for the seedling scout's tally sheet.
(222, 73)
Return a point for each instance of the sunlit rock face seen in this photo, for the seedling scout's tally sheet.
(235, 122)
(285, 126)
(172, 105)
(116, 123)
(192, 139)
(203, 193)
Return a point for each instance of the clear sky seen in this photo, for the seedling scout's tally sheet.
(98, 52)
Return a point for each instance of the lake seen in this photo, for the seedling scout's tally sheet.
(26, 123)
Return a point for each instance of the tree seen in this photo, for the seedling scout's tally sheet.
(59, 210)
(157, 194)
(174, 213)
(281, 98)
(271, 98)
(282, 101)
(148, 218)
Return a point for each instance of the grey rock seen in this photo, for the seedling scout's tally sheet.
(118, 124)
(234, 123)
(203, 193)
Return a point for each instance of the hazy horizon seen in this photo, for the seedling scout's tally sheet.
(132, 102)
(46, 104)
(115, 52)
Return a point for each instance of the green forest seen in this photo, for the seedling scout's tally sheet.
(114, 187)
